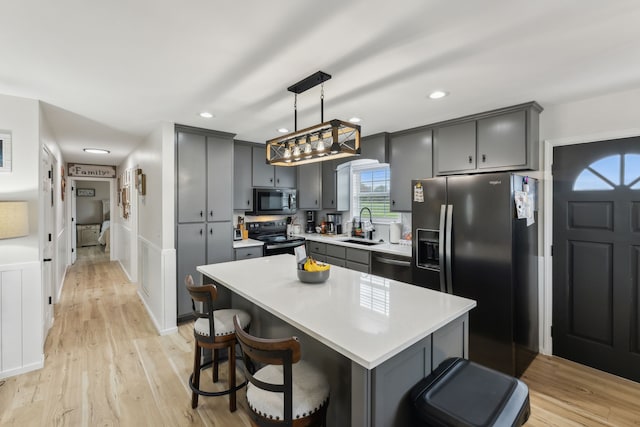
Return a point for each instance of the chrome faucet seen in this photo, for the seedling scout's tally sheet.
(367, 234)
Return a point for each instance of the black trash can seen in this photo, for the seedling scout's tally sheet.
(462, 393)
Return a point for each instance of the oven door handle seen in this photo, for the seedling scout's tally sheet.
(285, 245)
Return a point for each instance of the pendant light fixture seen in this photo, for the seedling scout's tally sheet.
(328, 140)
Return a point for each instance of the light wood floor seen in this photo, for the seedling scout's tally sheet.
(106, 365)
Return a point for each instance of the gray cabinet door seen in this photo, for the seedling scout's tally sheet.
(455, 148)
(285, 176)
(263, 173)
(329, 198)
(192, 160)
(219, 178)
(219, 242)
(190, 243)
(375, 147)
(242, 190)
(310, 186)
(502, 141)
(410, 158)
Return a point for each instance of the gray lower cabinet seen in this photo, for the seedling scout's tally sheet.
(249, 252)
(219, 242)
(191, 245)
(410, 158)
(310, 186)
(500, 140)
(341, 256)
(242, 187)
(266, 175)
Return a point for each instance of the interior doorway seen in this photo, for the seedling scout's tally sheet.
(91, 208)
(596, 256)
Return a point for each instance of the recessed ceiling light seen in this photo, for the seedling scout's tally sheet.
(206, 115)
(96, 151)
(283, 130)
(354, 119)
(437, 94)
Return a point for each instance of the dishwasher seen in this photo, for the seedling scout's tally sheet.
(391, 266)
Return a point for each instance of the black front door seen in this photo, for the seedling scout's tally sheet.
(596, 255)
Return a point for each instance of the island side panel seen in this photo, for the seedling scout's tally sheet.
(392, 381)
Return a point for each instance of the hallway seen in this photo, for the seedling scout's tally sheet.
(106, 365)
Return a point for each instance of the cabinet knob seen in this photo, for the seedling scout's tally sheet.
(270, 179)
(201, 231)
(470, 159)
(248, 202)
(484, 158)
(210, 213)
(201, 214)
(278, 180)
(211, 231)
(393, 202)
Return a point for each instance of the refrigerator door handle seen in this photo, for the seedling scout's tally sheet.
(441, 253)
(448, 249)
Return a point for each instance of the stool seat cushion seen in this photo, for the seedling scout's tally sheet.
(222, 322)
(310, 391)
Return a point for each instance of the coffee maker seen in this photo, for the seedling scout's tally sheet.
(311, 222)
(334, 223)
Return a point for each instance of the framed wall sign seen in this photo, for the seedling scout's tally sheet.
(86, 192)
(5, 152)
(94, 171)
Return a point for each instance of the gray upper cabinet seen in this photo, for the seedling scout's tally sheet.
(499, 140)
(242, 190)
(266, 175)
(333, 190)
(410, 158)
(192, 165)
(375, 147)
(455, 147)
(219, 178)
(310, 186)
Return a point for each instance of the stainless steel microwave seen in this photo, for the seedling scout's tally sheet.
(274, 201)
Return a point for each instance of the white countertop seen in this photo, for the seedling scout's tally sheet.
(366, 318)
(246, 243)
(338, 239)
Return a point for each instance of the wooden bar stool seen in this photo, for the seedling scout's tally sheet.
(285, 391)
(223, 336)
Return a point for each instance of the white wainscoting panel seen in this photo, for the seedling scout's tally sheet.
(21, 317)
(152, 271)
(61, 263)
(123, 254)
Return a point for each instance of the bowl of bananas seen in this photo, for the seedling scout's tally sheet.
(312, 271)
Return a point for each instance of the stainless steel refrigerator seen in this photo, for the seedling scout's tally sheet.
(468, 241)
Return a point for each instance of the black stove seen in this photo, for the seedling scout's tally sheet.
(274, 236)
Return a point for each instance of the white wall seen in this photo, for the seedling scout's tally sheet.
(155, 238)
(19, 116)
(599, 118)
(21, 313)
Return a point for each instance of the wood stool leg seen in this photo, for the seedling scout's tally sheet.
(196, 375)
(215, 365)
(232, 376)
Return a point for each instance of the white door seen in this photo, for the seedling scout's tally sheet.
(48, 206)
(74, 240)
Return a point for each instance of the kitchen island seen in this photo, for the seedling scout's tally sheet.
(374, 337)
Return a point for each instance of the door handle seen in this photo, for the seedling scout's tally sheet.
(448, 248)
(441, 254)
(392, 261)
(47, 260)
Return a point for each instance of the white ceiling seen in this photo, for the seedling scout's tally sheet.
(109, 72)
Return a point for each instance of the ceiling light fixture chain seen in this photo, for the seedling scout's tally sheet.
(322, 103)
(295, 112)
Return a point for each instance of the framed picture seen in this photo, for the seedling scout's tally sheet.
(86, 192)
(5, 152)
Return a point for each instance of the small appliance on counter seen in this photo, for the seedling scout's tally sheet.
(311, 222)
(334, 223)
(395, 232)
(237, 234)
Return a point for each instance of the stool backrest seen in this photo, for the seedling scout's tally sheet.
(282, 351)
(206, 294)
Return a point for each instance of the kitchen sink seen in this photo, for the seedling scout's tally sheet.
(361, 242)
